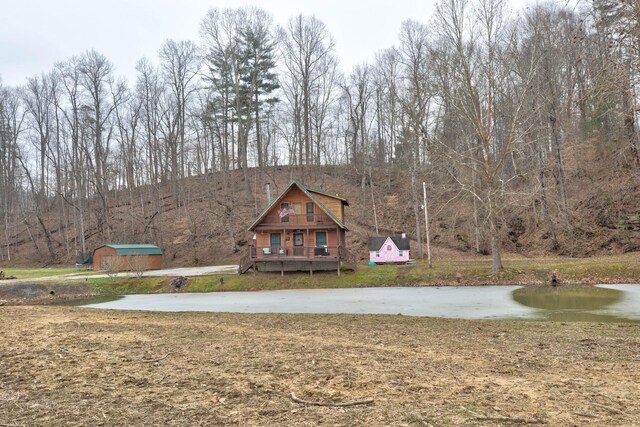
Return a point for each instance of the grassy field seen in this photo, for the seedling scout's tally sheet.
(30, 273)
(472, 271)
(466, 271)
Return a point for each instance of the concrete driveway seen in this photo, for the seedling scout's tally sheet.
(171, 272)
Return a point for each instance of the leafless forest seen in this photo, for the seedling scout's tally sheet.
(518, 123)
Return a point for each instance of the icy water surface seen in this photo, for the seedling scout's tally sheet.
(604, 303)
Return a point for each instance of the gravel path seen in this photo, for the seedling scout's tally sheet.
(170, 272)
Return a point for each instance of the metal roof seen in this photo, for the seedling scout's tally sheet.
(375, 243)
(134, 249)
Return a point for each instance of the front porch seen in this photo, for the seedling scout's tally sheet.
(296, 258)
(295, 252)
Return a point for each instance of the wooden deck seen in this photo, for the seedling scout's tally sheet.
(298, 258)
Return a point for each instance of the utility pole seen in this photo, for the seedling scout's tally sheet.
(426, 221)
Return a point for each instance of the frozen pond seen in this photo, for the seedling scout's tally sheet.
(617, 303)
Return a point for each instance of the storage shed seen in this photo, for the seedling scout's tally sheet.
(127, 257)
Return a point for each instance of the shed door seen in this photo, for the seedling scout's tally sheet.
(106, 262)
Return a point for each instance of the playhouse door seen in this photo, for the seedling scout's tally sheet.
(389, 254)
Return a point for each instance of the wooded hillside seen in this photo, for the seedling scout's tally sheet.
(524, 127)
(210, 224)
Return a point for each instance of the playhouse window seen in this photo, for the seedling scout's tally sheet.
(378, 254)
(400, 253)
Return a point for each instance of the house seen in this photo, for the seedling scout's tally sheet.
(301, 230)
(128, 257)
(389, 249)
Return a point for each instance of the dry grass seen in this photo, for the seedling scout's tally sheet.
(72, 366)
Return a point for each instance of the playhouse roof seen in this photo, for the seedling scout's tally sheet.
(375, 243)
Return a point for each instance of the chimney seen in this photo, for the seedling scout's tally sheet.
(404, 235)
(268, 185)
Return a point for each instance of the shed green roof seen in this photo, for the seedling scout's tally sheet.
(135, 249)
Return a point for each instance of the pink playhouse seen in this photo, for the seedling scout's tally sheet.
(389, 249)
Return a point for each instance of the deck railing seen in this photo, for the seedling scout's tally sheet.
(297, 219)
(278, 252)
(310, 254)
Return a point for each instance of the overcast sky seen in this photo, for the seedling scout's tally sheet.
(34, 34)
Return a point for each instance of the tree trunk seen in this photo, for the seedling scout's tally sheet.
(496, 245)
(543, 200)
(416, 210)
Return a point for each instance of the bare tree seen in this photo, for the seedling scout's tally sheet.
(37, 100)
(179, 64)
(104, 95)
(11, 126)
(307, 49)
(490, 97)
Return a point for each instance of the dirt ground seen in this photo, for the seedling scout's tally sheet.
(74, 366)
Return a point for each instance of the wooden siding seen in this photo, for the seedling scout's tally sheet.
(297, 200)
(334, 205)
(263, 237)
(106, 259)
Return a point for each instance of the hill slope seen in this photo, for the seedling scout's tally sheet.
(207, 222)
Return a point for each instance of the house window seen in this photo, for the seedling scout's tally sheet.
(377, 254)
(321, 238)
(275, 242)
(400, 253)
(310, 212)
(284, 212)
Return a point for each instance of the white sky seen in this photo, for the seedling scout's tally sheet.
(34, 34)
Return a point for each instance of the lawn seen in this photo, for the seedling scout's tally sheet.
(30, 273)
(466, 271)
(472, 271)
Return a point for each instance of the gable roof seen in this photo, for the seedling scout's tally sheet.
(309, 192)
(324, 193)
(375, 243)
(134, 249)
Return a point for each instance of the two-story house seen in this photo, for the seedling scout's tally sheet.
(301, 230)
